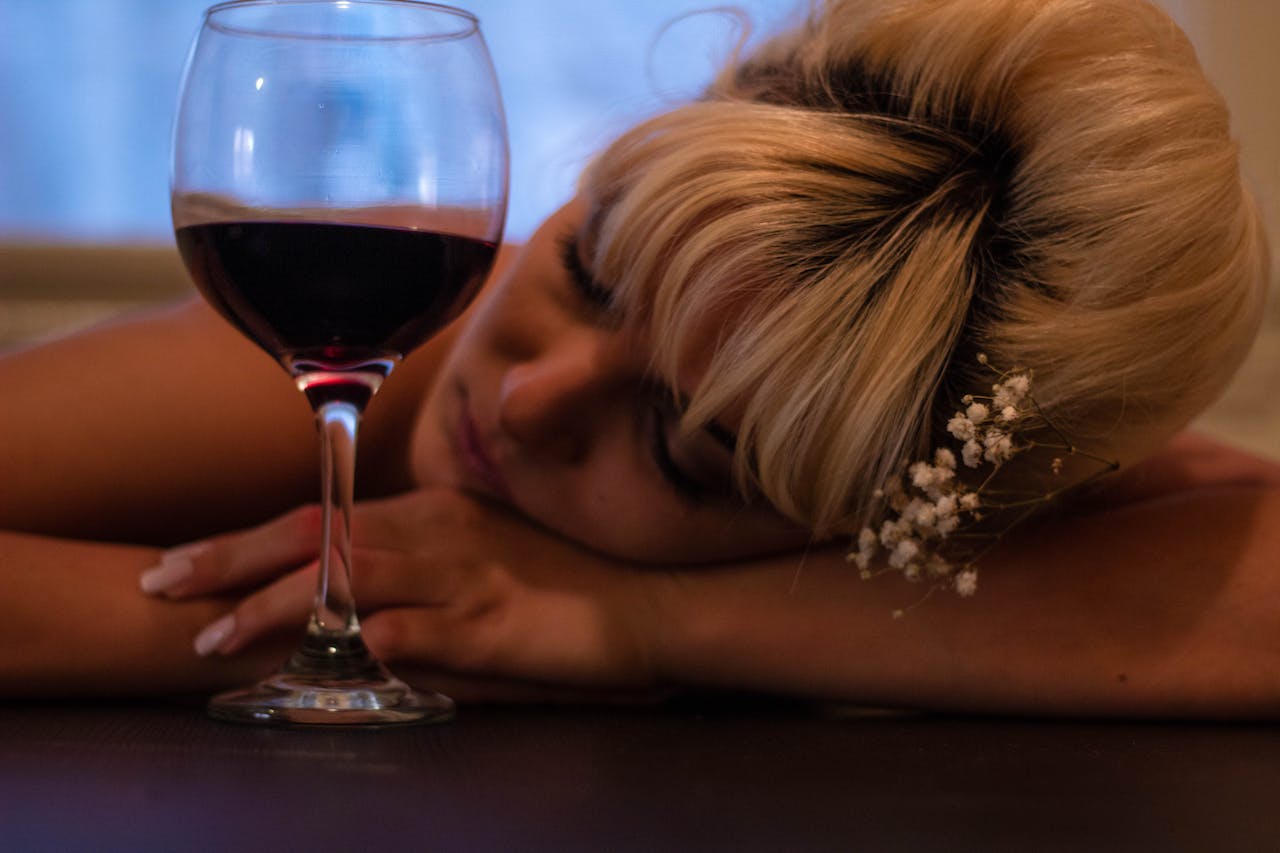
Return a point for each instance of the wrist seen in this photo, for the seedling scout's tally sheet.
(650, 609)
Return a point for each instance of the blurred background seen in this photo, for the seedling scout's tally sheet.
(88, 87)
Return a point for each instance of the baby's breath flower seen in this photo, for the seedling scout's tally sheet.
(1012, 391)
(1018, 384)
(938, 567)
(930, 479)
(946, 525)
(868, 542)
(903, 553)
(999, 447)
(921, 475)
(893, 531)
(928, 502)
(961, 428)
(921, 513)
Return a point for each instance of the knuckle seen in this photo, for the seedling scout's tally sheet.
(479, 618)
(450, 507)
(467, 629)
(469, 647)
(378, 577)
(479, 591)
(303, 521)
(283, 602)
(250, 617)
(385, 634)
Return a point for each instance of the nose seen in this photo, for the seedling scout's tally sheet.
(550, 401)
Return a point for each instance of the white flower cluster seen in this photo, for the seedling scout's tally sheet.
(987, 429)
(929, 504)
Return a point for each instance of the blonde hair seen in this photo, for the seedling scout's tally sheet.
(868, 201)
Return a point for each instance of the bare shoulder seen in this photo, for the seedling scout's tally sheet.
(1189, 464)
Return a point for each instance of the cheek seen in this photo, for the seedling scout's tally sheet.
(477, 328)
(431, 459)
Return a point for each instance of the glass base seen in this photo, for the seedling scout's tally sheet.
(331, 682)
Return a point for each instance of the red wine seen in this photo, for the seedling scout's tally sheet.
(328, 297)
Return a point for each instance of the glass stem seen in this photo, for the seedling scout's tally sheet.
(333, 617)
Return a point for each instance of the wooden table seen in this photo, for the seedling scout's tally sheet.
(697, 776)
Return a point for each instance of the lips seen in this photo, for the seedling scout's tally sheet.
(475, 455)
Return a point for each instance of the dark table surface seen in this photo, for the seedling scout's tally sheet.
(697, 776)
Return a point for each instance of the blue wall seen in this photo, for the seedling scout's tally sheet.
(87, 90)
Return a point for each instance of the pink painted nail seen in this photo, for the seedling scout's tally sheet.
(175, 567)
(208, 640)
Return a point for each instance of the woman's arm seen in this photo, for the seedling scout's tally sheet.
(151, 429)
(156, 429)
(1156, 598)
(1163, 607)
(76, 625)
(171, 425)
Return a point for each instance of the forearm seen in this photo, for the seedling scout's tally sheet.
(76, 624)
(1163, 609)
(156, 428)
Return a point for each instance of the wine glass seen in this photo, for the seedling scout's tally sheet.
(339, 185)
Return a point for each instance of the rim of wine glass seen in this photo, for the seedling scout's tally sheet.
(470, 23)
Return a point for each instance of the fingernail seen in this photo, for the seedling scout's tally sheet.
(208, 640)
(175, 567)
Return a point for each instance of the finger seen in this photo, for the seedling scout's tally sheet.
(432, 651)
(495, 642)
(385, 578)
(279, 606)
(236, 560)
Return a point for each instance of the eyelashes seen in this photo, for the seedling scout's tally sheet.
(656, 417)
(684, 485)
(596, 295)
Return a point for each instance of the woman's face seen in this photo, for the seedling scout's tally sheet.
(545, 404)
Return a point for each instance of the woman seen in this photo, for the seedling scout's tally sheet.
(635, 464)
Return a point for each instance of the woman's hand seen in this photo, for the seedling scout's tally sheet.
(453, 592)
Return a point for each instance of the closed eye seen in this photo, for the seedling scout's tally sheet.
(697, 466)
(596, 295)
(683, 484)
